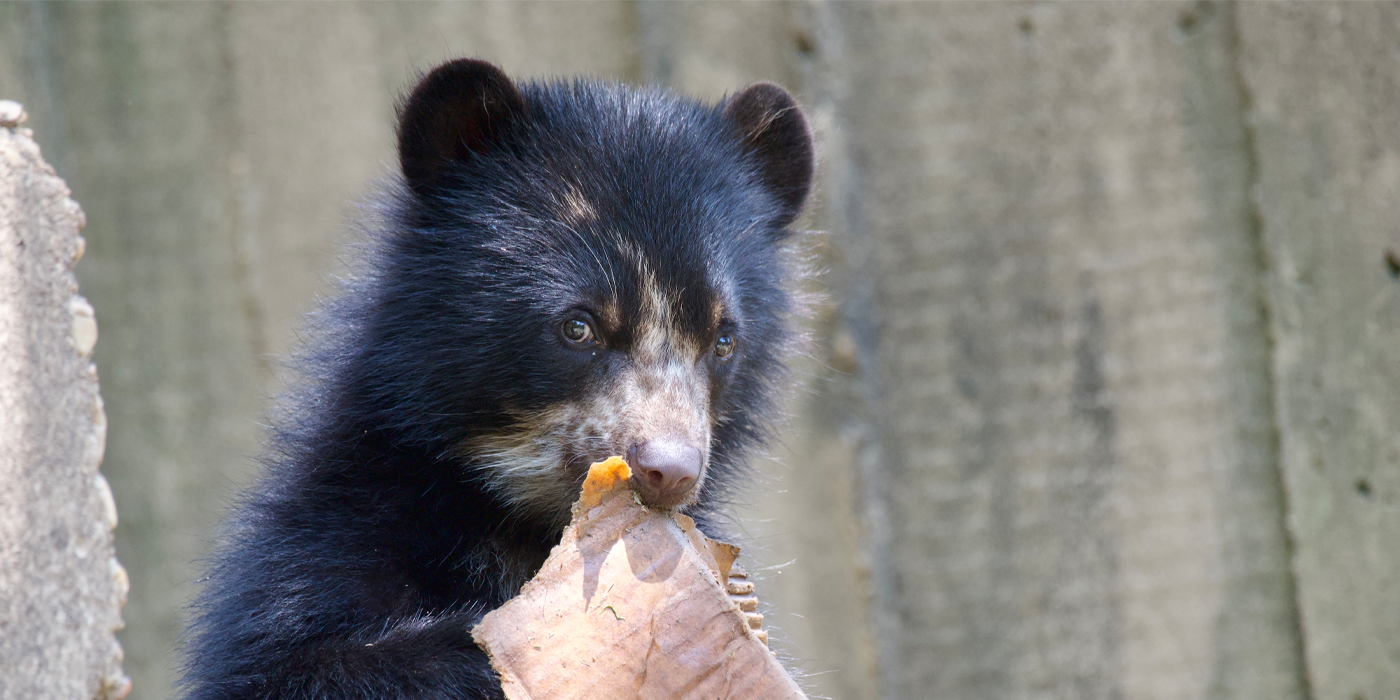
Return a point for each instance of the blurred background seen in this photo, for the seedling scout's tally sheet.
(1103, 399)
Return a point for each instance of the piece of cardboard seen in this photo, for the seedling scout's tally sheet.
(630, 604)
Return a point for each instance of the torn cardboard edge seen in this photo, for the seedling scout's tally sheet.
(632, 603)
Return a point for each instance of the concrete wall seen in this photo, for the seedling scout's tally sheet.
(1324, 86)
(61, 590)
(1101, 401)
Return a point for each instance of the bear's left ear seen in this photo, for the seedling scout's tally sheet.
(775, 132)
(463, 107)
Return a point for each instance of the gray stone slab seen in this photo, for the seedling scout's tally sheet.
(61, 587)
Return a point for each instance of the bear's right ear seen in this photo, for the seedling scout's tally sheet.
(775, 132)
(462, 107)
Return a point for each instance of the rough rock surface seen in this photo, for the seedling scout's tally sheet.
(61, 587)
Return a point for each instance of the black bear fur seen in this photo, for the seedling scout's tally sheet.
(379, 534)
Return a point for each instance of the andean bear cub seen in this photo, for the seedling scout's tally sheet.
(566, 271)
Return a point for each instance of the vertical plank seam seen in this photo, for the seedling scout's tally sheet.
(1258, 244)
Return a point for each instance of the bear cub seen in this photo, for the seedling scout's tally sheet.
(566, 271)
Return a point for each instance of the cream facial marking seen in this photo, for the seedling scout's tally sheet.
(574, 208)
(665, 395)
(661, 393)
(657, 334)
(536, 468)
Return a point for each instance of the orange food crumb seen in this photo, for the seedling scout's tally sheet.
(604, 477)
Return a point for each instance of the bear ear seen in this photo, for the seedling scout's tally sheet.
(462, 107)
(775, 132)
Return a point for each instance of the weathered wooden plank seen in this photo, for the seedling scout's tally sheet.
(1325, 86)
(1069, 375)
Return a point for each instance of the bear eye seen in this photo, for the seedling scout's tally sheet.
(724, 346)
(577, 331)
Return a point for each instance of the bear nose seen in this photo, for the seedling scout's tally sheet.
(665, 470)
